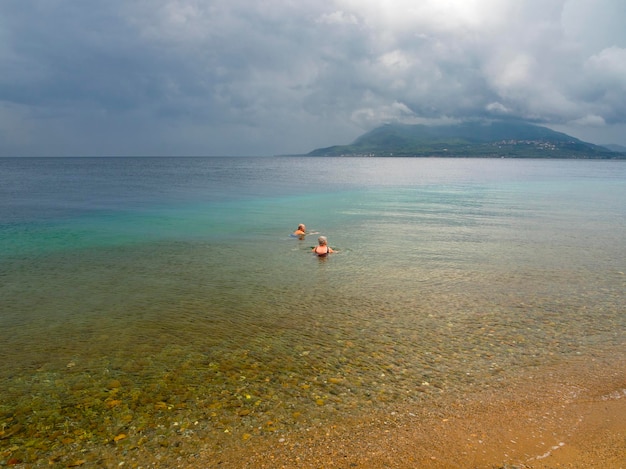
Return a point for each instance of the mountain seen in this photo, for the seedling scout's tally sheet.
(615, 147)
(494, 139)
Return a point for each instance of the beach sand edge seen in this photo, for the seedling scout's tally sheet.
(567, 416)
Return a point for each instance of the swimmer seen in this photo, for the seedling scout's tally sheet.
(300, 231)
(322, 249)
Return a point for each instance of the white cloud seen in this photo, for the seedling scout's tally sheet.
(374, 112)
(590, 121)
(498, 109)
(610, 65)
(337, 18)
(514, 74)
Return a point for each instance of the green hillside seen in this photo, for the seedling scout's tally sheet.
(472, 139)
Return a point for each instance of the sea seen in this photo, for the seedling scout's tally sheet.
(161, 304)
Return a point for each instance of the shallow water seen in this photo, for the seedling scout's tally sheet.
(144, 300)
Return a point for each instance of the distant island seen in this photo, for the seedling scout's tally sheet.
(496, 139)
(614, 147)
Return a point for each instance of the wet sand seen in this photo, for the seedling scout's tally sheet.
(570, 416)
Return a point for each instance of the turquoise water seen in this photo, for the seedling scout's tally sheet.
(160, 297)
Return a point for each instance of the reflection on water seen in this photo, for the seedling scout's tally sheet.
(172, 344)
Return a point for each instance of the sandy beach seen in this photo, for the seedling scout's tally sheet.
(570, 416)
(566, 416)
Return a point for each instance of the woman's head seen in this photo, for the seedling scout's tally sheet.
(322, 240)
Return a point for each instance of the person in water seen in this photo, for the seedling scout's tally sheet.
(322, 249)
(300, 231)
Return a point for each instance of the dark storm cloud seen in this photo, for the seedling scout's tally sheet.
(243, 77)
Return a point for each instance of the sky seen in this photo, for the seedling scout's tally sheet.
(267, 77)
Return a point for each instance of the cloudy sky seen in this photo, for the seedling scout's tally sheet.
(264, 77)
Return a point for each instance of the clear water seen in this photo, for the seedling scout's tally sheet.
(152, 297)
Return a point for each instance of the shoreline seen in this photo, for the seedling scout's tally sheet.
(572, 415)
